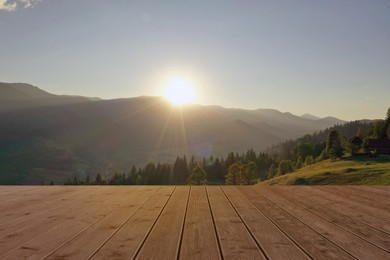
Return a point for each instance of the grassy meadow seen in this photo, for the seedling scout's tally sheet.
(348, 171)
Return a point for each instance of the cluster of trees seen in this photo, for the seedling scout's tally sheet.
(251, 167)
(348, 139)
(242, 174)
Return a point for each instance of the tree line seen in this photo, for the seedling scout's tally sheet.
(350, 139)
(245, 168)
(251, 167)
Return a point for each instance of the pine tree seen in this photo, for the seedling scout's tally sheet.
(233, 177)
(380, 129)
(309, 160)
(359, 133)
(299, 162)
(388, 123)
(285, 166)
(333, 145)
(98, 179)
(355, 143)
(271, 171)
(192, 164)
(230, 160)
(388, 115)
(180, 171)
(197, 177)
(248, 173)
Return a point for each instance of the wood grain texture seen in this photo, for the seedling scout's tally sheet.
(49, 236)
(359, 229)
(236, 241)
(128, 240)
(350, 201)
(203, 222)
(273, 241)
(351, 243)
(313, 243)
(376, 201)
(199, 238)
(84, 245)
(164, 239)
(39, 210)
(309, 193)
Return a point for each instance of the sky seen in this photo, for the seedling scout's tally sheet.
(327, 58)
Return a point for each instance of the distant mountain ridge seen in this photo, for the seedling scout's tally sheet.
(21, 91)
(21, 95)
(310, 116)
(42, 134)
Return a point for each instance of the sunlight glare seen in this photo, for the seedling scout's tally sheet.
(179, 91)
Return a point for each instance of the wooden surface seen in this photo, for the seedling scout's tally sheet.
(197, 222)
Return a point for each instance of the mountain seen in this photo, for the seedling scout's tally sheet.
(44, 136)
(310, 116)
(15, 91)
(331, 121)
(21, 96)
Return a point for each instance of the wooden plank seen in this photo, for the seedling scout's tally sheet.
(361, 230)
(50, 234)
(368, 193)
(35, 217)
(37, 201)
(235, 240)
(385, 190)
(127, 241)
(199, 237)
(10, 192)
(4, 190)
(13, 239)
(233, 222)
(17, 219)
(28, 201)
(344, 198)
(361, 197)
(164, 239)
(23, 197)
(317, 197)
(354, 245)
(85, 244)
(12, 189)
(274, 242)
(316, 245)
(382, 190)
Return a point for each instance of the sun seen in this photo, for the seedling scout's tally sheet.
(179, 91)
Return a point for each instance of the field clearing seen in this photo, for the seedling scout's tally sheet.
(195, 222)
(351, 171)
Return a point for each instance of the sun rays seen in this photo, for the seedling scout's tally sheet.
(179, 91)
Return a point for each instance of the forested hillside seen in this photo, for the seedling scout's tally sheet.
(278, 161)
(46, 137)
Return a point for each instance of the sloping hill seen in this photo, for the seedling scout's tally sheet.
(17, 96)
(362, 171)
(14, 91)
(310, 116)
(47, 134)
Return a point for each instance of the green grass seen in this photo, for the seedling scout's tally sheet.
(350, 171)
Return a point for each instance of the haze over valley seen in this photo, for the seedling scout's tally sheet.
(42, 133)
(182, 129)
(108, 85)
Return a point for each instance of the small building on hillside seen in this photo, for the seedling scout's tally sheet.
(379, 146)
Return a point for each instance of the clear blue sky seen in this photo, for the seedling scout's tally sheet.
(305, 56)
